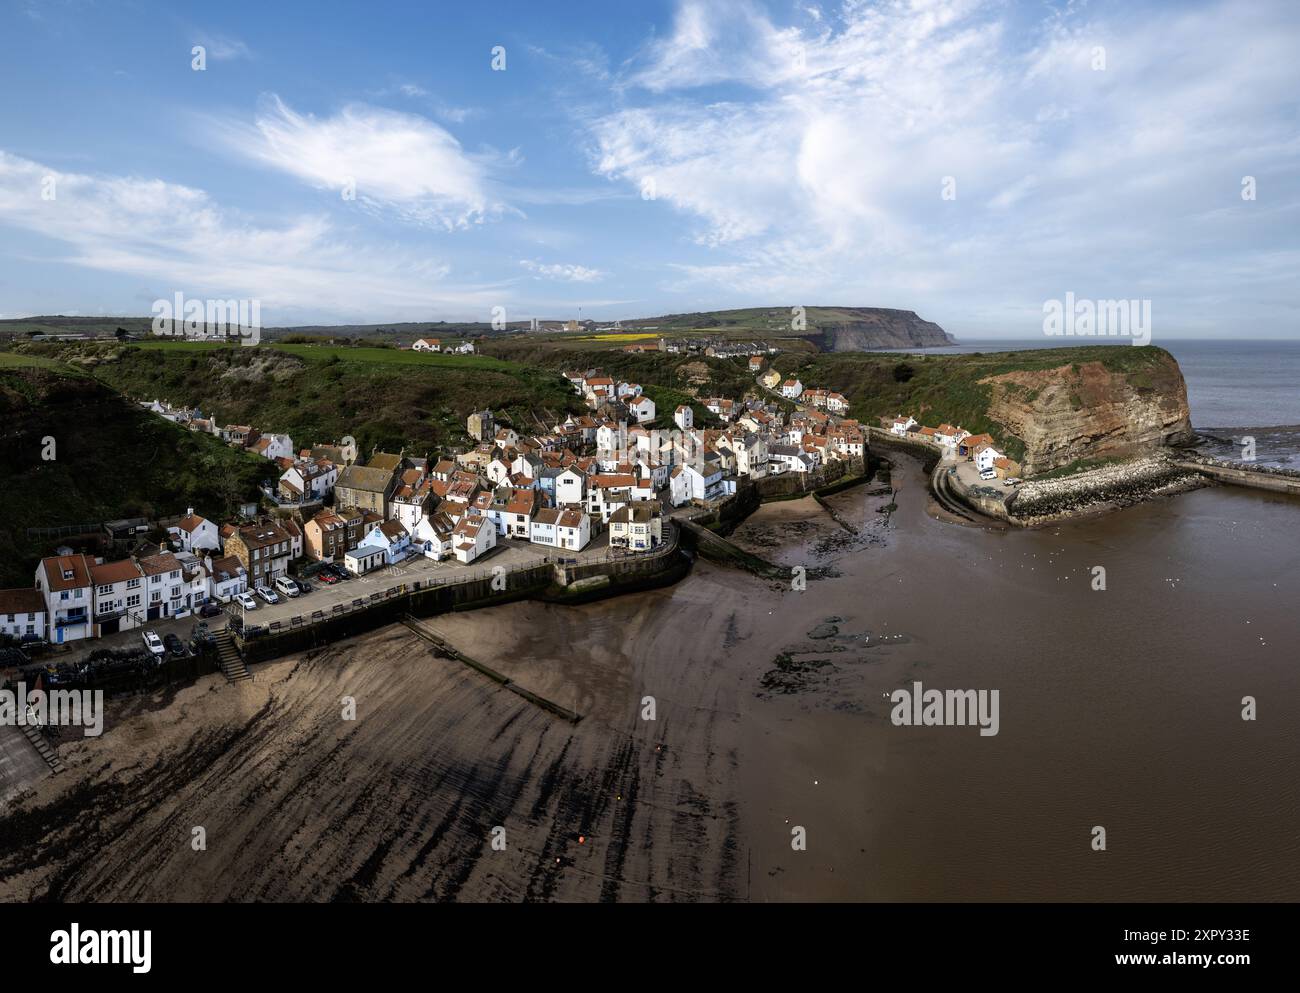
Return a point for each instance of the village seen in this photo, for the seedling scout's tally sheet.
(606, 482)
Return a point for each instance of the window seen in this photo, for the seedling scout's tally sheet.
(133, 584)
(63, 595)
(31, 629)
(175, 573)
(133, 601)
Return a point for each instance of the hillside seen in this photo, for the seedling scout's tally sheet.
(382, 397)
(830, 329)
(112, 459)
(1050, 407)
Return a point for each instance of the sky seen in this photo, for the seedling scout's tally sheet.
(386, 162)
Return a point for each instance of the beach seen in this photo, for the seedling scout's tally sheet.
(770, 715)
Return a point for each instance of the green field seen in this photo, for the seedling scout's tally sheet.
(383, 397)
(12, 360)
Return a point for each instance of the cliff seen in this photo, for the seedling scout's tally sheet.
(1045, 408)
(862, 329)
(1090, 410)
(831, 329)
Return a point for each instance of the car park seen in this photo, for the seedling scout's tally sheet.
(154, 644)
(246, 601)
(268, 594)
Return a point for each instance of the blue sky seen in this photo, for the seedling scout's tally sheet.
(638, 159)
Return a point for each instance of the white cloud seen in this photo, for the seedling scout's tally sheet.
(562, 271)
(223, 48)
(821, 170)
(176, 238)
(400, 163)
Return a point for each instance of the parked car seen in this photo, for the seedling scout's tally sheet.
(328, 578)
(988, 474)
(154, 644)
(287, 586)
(339, 571)
(304, 587)
(210, 609)
(267, 594)
(246, 601)
(173, 644)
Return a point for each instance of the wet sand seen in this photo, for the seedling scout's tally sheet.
(1119, 708)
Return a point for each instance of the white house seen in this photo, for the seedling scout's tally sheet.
(472, 537)
(309, 479)
(570, 487)
(789, 458)
(684, 417)
(902, 425)
(606, 492)
(273, 446)
(949, 436)
(497, 471)
(427, 345)
(985, 455)
(167, 591)
(65, 585)
(559, 528)
(637, 527)
(22, 614)
(365, 558)
(642, 408)
(196, 534)
(692, 481)
(432, 536)
(791, 388)
(119, 596)
(392, 537)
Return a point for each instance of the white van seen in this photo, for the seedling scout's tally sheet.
(286, 586)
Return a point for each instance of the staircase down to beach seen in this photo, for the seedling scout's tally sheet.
(228, 657)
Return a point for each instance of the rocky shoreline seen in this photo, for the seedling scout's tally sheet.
(1100, 490)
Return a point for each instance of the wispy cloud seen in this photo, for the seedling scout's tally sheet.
(393, 161)
(223, 48)
(562, 271)
(814, 158)
(176, 237)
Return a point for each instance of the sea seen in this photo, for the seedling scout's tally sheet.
(1237, 389)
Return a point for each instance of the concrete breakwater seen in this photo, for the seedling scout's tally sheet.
(1098, 490)
(1259, 477)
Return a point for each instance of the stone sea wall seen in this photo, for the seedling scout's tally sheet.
(1049, 500)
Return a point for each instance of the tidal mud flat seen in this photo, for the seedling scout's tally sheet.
(770, 714)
